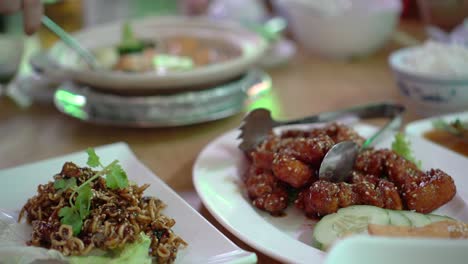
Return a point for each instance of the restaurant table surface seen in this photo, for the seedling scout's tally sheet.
(306, 85)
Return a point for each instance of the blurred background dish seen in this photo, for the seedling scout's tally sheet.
(249, 46)
(185, 108)
(432, 78)
(341, 28)
(450, 131)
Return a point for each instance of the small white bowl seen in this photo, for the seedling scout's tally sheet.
(428, 94)
(353, 29)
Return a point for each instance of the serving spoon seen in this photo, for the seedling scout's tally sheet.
(71, 42)
(337, 164)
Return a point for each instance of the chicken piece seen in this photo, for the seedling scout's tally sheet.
(271, 143)
(347, 196)
(309, 150)
(368, 194)
(274, 203)
(338, 132)
(345, 133)
(320, 199)
(295, 133)
(422, 192)
(390, 195)
(263, 159)
(380, 192)
(432, 192)
(371, 162)
(405, 174)
(324, 197)
(358, 177)
(265, 191)
(269, 146)
(291, 170)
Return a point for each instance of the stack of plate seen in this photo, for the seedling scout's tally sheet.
(177, 109)
(156, 99)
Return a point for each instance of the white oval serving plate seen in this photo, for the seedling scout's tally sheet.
(217, 179)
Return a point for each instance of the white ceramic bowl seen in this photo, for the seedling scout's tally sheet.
(428, 94)
(358, 30)
(251, 45)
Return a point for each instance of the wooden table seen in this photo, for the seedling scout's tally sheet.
(307, 85)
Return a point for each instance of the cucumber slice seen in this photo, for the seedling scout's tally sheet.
(350, 220)
(416, 219)
(376, 215)
(398, 219)
(437, 218)
(335, 226)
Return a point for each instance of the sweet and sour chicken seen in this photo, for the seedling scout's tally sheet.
(284, 168)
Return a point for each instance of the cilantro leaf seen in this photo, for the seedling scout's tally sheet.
(63, 184)
(71, 217)
(79, 209)
(403, 148)
(83, 201)
(116, 178)
(93, 158)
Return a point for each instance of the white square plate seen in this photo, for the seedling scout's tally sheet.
(206, 244)
(217, 179)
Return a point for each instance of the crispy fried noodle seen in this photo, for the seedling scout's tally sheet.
(116, 217)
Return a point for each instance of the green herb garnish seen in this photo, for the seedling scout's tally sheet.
(79, 208)
(403, 148)
(129, 43)
(63, 184)
(70, 216)
(456, 127)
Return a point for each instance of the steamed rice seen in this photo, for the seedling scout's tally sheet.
(433, 58)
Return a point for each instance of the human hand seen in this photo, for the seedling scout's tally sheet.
(32, 12)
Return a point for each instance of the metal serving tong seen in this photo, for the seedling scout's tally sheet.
(257, 124)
